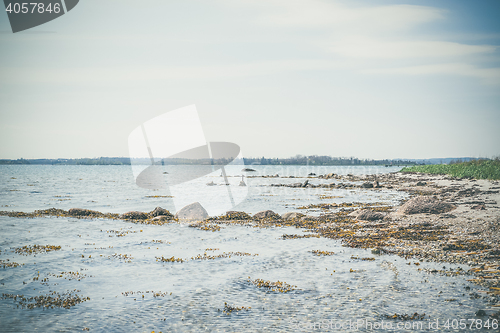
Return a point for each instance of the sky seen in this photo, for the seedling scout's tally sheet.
(369, 79)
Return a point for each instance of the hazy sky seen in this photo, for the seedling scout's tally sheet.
(371, 79)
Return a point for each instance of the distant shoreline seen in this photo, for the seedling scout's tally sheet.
(298, 160)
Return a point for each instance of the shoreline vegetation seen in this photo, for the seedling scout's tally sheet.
(445, 219)
(312, 160)
(476, 169)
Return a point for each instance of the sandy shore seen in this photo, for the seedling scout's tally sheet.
(469, 233)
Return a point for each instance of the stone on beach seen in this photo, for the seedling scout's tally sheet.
(309, 218)
(192, 212)
(367, 185)
(292, 215)
(134, 215)
(266, 214)
(425, 204)
(367, 215)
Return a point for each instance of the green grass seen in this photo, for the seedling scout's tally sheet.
(478, 169)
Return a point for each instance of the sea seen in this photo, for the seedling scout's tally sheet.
(114, 265)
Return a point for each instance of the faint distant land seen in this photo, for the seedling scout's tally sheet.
(313, 160)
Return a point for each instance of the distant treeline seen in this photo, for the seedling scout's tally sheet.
(71, 161)
(297, 160)
(323, 160)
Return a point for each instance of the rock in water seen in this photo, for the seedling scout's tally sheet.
(134, 215)
(367, 185)
(266, 214)
(83, 212)
(480, 313)
(292, 215)
(367, 215)
(330, 175)
(234, 215)
(425, 204)
(158, 211)
(192, 212)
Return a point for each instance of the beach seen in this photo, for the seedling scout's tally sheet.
(351, 248)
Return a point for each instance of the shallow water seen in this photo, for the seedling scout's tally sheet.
(335, 288)
(112, 188)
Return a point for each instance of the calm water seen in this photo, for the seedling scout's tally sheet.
(336, 289)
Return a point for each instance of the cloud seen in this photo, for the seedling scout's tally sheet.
(365, 35)
(487, 75)
(106, 75)
(363, 47)
(320, 14)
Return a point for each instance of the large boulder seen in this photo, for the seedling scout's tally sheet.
(134, 215)
(266, 214)
(425, 204)
(192, 212)
(292, 216)
(158, 211)
(83, 212)
(367, 215)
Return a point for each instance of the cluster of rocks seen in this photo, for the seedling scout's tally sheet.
(158, 214)
(375, 184)
(329, 176)
(306, 184)
(416, 205)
